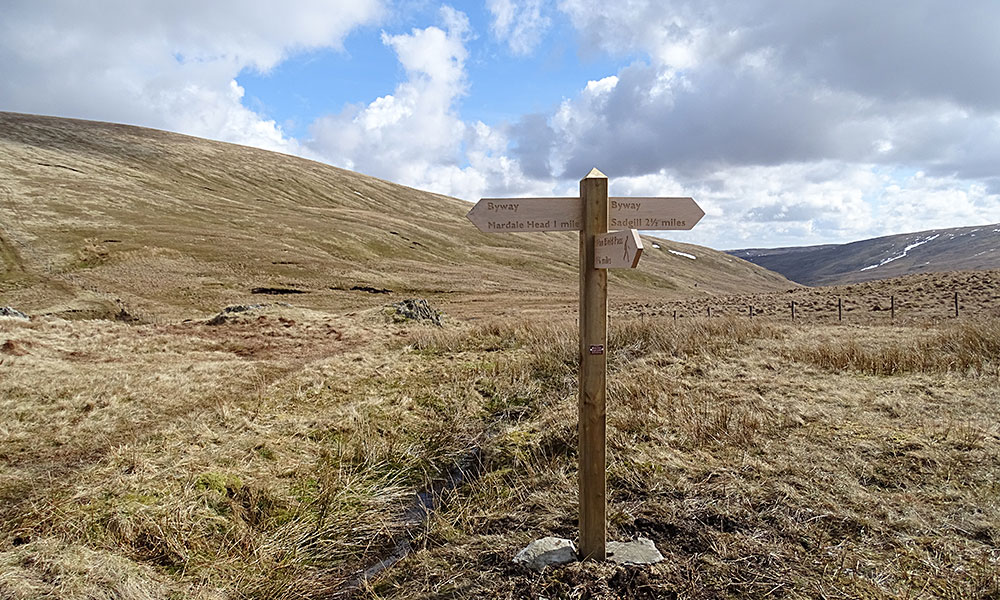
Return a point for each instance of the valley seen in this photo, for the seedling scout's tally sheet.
(224, 387)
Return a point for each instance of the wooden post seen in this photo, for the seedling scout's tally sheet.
(593, 369)
(840, 310)
(892, 308)
(751, 311)
(590, 214)
(710, 311)
(793, 310)
(956, 305)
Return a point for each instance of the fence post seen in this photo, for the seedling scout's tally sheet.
(751, 311)
(892, 308)
(956, 305)
(793, 310)
(840, 310)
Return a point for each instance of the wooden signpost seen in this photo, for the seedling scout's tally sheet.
(591, 214)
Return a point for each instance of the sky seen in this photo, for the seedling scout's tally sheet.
(790, 123)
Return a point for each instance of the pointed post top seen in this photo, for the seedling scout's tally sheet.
(594, 173)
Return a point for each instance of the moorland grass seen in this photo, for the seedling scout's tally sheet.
(233, 462)
(971, 347)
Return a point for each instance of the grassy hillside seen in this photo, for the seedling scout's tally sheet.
(329, 449)
(932, 251)
(100, 218)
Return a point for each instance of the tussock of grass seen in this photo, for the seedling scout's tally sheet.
(968, 347)
(48, 568)
(628, 339)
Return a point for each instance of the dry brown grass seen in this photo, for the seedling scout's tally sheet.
(232, 460)
(756, 474)
(276, 456)
(971, 347)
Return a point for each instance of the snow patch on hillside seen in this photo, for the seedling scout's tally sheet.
(903, 253)
(684, 254)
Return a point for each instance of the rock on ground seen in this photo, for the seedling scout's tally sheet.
(6, 311)
(224, 315)
(546, 552)
(638, 552)
(416, 310)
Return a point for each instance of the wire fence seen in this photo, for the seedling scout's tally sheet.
(842, 309)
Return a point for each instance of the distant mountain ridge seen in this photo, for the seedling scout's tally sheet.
(931, 251)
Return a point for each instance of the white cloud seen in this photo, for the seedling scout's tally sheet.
(403, 135)
(170, 65)
(792, 112)
(796, 204)
(791, 123)
(415, 136)
(922, 202)
(518, 23)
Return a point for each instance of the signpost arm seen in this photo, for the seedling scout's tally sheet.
(593, 369)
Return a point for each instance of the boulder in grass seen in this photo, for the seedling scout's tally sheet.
(415, 309)
(12, 313)
(225, 314)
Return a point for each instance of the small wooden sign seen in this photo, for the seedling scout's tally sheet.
(617, 250)
(660, 214)
(503, 215)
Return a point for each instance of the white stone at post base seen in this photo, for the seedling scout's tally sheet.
(638, 552)
(547, 552)
(554, 551)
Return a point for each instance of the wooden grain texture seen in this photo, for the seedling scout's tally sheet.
(593, 369)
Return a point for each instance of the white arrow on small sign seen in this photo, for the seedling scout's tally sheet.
(617, 249)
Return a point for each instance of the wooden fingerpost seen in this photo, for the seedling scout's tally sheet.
(600, 250)
(593, 369)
